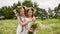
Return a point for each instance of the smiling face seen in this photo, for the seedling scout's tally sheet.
(30, 12)
(21, 12)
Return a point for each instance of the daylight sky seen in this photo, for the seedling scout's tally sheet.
(45, 4)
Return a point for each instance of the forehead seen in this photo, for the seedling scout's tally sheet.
(30, 10)
(22, 9)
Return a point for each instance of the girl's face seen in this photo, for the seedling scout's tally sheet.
(30, 13)
(22, 12)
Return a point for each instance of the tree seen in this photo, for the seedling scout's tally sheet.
(58, 7)
(27, 4)
(16, 4)
(50, 13)
(19, 3)
(0, 12)
(57, 11)
(7, 12)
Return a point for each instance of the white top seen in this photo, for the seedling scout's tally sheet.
(19, 28)
(29, 24)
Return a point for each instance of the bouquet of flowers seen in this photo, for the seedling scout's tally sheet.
(34, 26)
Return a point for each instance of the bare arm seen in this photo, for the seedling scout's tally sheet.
(32, 29)
(34, 19)
(22, 23)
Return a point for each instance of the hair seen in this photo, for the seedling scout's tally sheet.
(26, 14)
(18, 10)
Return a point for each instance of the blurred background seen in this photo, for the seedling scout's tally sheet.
(47, 14)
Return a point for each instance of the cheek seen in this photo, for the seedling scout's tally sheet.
(30, 13)
(21, 13)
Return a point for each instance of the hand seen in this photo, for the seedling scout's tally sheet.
(31, 30)
(33, 19)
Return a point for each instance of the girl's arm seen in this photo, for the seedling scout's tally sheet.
(33, 19)
(22, 23)
(31, 29)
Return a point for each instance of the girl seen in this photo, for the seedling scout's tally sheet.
(30, 17)
(22, 23)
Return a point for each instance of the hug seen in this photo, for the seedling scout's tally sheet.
(25, 17)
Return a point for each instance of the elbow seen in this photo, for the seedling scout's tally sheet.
(23, 24)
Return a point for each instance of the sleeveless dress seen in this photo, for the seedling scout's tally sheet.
(25, 31)
(19, 28)
(29, 25)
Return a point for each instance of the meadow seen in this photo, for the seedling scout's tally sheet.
(48, 26)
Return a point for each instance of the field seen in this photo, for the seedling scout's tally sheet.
(48, 26)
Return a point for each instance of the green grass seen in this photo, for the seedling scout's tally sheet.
(49, 26)
(8, 26)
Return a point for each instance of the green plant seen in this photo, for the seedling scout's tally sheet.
(34, 26)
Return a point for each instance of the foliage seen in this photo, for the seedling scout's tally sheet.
(7, 11)
(34, 26)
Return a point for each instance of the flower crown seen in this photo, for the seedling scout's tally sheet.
(26, 8)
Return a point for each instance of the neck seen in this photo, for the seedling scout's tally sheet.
(30, 17)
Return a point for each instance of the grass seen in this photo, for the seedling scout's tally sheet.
(48, 26)
(8, 26)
